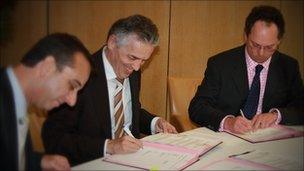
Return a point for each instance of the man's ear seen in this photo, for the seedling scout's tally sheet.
(112, 41)
(46, 66)
(245, 37)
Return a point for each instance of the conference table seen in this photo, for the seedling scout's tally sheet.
(291, 148)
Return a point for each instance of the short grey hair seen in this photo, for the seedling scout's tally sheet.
(140, 26)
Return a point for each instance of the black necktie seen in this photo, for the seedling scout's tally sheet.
(252, 101)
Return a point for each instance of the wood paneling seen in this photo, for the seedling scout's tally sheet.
(91, 20)
(190, 33)
(292, 43)
(201, 29)
(28, 25)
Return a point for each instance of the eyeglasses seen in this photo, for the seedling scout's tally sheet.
(269, 48)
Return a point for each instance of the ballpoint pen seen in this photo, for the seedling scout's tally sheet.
(246, 152)
(242, 113)
(128, 132)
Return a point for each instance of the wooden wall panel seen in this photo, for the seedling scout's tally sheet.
(28, 25)
(292, 43)
(197, 30)
(201, 29)
(91, 20)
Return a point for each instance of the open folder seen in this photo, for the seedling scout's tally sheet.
(255, 160)
(156, 157)
(166, 152)
(269, 134)
(199, 143)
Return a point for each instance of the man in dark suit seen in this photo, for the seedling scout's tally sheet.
(50, 74)
(254, 80)
(109, 105)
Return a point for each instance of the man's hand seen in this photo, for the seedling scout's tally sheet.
(164, 126)
(264, 120)
(239, 125)
(54, 162)
(125, 144)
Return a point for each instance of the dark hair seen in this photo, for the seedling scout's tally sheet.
(61, 46)
(139, 25)
(268, 14)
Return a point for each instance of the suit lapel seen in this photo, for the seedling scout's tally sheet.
(240, 77)
(272, 80)
(9, 131)
(100, 92)
(134, 88)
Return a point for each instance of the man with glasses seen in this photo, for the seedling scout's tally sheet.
(253, 86)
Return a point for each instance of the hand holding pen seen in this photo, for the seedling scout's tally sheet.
(247, 120)
(128, 132)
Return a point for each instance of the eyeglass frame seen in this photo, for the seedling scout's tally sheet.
(268, 48)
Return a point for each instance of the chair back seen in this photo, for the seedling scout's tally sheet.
(36, 118)
(181, 91)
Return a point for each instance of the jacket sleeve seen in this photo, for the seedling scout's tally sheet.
(33, 159)
(202, 109)
(61, 135)
(293, 112)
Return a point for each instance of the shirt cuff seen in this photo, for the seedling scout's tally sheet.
(275, 110)
(221, 128)
(105, 148)
(152, 126)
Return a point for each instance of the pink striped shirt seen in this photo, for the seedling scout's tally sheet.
(251, 64)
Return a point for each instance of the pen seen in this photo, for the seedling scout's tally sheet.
(246, 152)
(128, 132)
(242, 113)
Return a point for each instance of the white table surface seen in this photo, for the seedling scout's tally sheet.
(291, 148)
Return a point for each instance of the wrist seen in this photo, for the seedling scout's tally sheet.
(275, 113)
(110, 147)
(227, 123)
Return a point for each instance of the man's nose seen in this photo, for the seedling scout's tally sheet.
(261, 51)
(71, 98)
(137, 64)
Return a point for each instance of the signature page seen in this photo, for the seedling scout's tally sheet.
(200, 144)
(269, 134)
(156, 157)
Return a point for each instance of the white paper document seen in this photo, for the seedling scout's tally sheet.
(269, 134)
(274, 160)
(193, 140)
(235, 164)
(156, 157)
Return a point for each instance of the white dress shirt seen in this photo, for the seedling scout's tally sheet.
(21, 117)
(126, 97)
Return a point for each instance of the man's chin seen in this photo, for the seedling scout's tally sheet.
(52, 106)
(128, 73)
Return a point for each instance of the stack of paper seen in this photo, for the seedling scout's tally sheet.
(269, 134)
(192, 140)
(156, 157)
(255, 160)
(167, 151)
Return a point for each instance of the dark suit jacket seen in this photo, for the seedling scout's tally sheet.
(225, 87)
(8, 131)
(79, 132)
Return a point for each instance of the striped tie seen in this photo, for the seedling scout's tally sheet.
(118, 109)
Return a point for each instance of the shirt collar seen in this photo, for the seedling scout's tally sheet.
(110, 74)
(19, 98)
(251, 64)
